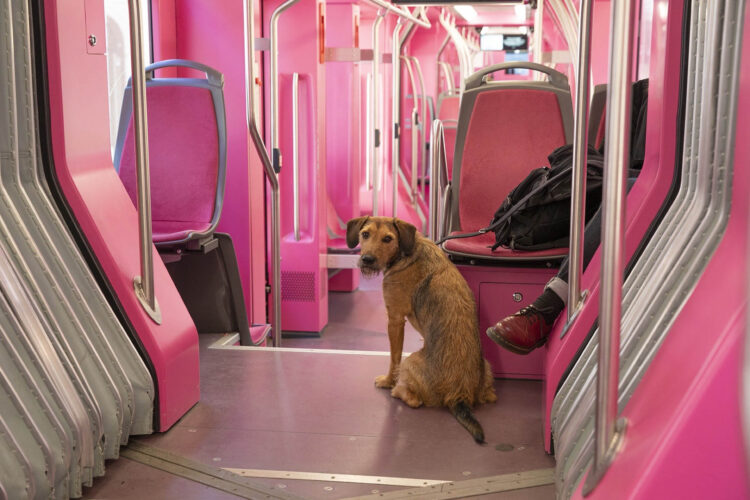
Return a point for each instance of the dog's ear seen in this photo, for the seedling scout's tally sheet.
(352, 231)
(407, 236)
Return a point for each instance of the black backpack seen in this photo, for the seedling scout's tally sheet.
(536, 214)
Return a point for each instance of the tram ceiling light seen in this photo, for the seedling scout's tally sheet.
(520, 10)
(505, 30)
(467, 12)
(447, 3)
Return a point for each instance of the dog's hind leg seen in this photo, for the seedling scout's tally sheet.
(411, 384)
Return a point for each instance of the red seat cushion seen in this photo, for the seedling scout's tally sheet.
(480, 246)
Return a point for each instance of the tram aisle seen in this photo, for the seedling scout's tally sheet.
(295, 418)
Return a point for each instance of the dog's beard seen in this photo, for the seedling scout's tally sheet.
(368, 272)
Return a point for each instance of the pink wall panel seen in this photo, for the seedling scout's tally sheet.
(684, 436)
(81, 149)
(303, 269)
(599, 41)
(644, 199)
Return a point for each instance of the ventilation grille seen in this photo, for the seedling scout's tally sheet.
(298, 286)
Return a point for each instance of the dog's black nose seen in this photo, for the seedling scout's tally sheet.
(368, 259)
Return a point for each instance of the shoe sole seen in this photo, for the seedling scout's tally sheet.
(512, 347)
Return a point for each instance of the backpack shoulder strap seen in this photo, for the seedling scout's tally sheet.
(515, 208)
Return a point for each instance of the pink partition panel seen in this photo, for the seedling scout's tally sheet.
(304, 275)
(81, 149)
(500, 292)
(212, 33)
(344, 107)
(645, 198)
(684, 437)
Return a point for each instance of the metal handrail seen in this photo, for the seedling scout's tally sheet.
(437, 167)
(580, 146)
(449, 24)
(404, 13)
(369, 132)
(374, 157)
(440, 63)
(422, 123)
(448, 75)
(396, 111)
(538, 38)
(274, 78)
(414, 125)
(609, 431)
(270, 173)
(566, 21)
(143, 284)
(295, 152)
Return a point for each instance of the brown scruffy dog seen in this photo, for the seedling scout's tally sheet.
(420, 284)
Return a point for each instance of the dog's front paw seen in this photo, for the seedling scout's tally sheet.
(384, 381)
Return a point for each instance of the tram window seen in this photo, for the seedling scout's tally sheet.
(517, 55)
(118, 56)
(644, 36)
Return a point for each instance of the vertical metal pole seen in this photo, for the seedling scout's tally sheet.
(274, 77)
(609, 431)
(396, 111)
(423, 123)
(374, 156)
(440, 64)
(369, 133)
(580, 146)
(143, 284)
(414, 128)
(436, 157)
(414, 153)
(538, 39)
(449, 26)
(260, 148)
(295, 151)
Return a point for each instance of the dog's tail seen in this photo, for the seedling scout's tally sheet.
(463, 414)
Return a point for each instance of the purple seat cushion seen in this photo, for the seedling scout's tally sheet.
(164, 231)
(183, 158)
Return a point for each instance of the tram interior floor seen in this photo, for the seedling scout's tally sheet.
(292, 419)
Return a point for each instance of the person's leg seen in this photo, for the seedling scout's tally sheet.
(528, 329)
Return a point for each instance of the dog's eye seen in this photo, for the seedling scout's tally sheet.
(387, 239)
(365, 235)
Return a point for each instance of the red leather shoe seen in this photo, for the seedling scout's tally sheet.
(522, 332)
